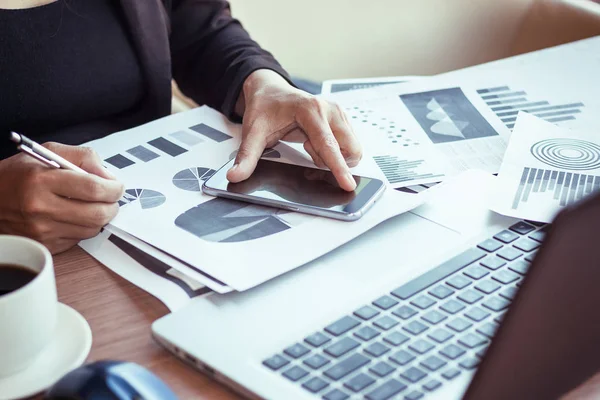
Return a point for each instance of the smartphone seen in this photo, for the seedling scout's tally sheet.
(295, 188)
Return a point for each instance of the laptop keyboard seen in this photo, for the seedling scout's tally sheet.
(407, 343)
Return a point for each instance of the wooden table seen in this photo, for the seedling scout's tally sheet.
(120, 316)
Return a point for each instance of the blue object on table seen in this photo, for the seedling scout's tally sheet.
(110, 380)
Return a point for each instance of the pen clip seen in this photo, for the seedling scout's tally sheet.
(32, 153)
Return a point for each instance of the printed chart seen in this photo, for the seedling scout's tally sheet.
(146, 198)
(224, 220)
(506, 104)
(447, 115)
(191, 179)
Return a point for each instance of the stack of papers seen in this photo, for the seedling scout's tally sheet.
(174, 241)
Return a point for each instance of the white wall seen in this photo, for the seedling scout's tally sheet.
(325, 39)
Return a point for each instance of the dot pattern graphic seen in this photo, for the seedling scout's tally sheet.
(573, 154)
(381, 125)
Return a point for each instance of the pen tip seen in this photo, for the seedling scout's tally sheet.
(15, 137)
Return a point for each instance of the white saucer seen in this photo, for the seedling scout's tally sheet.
(69, 349)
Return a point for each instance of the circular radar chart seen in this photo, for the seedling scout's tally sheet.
(191, 179)
(573, 154)
(146, 198)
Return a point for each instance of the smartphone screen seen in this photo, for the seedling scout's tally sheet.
(280, 183)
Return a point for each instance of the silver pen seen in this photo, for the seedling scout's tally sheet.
(42, 154)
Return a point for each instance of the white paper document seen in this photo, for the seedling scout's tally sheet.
(343, 85)
(163, 165)
(172, 288)
(429, 129)
(545, 169)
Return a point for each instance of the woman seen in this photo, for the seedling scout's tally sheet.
(75, 70)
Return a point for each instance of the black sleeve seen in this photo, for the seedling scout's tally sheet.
(212, 54)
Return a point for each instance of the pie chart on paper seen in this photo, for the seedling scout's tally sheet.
(146, 198)
(191, 179)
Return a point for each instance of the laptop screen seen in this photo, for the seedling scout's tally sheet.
(549, 341)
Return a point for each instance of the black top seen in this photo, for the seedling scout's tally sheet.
(69, 72)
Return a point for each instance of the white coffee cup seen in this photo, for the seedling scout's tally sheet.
(28, 314)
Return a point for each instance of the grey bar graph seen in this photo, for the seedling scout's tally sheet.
(142, 153)
(397, 170)
(502, 101)
(506, 101)
(558, 186)
(493, 90)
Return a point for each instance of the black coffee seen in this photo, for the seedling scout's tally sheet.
(13, 277)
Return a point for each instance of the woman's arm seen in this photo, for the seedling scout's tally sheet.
(212, 54)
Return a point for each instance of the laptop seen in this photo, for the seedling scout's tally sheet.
(406, 311)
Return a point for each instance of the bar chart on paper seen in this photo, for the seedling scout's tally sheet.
(560, 187)
(506, 104)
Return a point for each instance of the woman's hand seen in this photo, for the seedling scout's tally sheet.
(56, 207)
(273, 110)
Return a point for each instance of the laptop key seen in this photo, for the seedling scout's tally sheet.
(395, 338)
(477, 314)
(385, 302)
(496, 304)
(440, 272)
(469, 363)
(386, 323)
(413, 374)
(336, 394)
(423, 302)
(509, 293)
(387, 390)
(404, 312)
(522, 228)
(488, 329)
(341, 347)
(366, 333)
(376, 349)
(402, 357)
(531, 256)
(366, 313)
(441, 292)
(453, 306)
(414, 395)
(382, 369)
(440, 335)
(359, 382)
(451, 373)
(433, 363)
(432, 385)
(470, 296)
(519, 267)
(493, 262)
(506, 236)
(472, 340)
(539, 235)
(317, 339)
(315, 385)
(276, 362)
(459, 324)
(481, 352)
(536, 223)
(295, 373)
(476, 272)
(296, 351)
(347, 366)
(452, 351)
(490, 245)
(487, 286)
(421, 346)
(499, 317)
(509, 253)
(459, 282)
(415, 327)
(342, 326)
(316, 361)
(505, 277)
(434, 317)
(526, 245)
